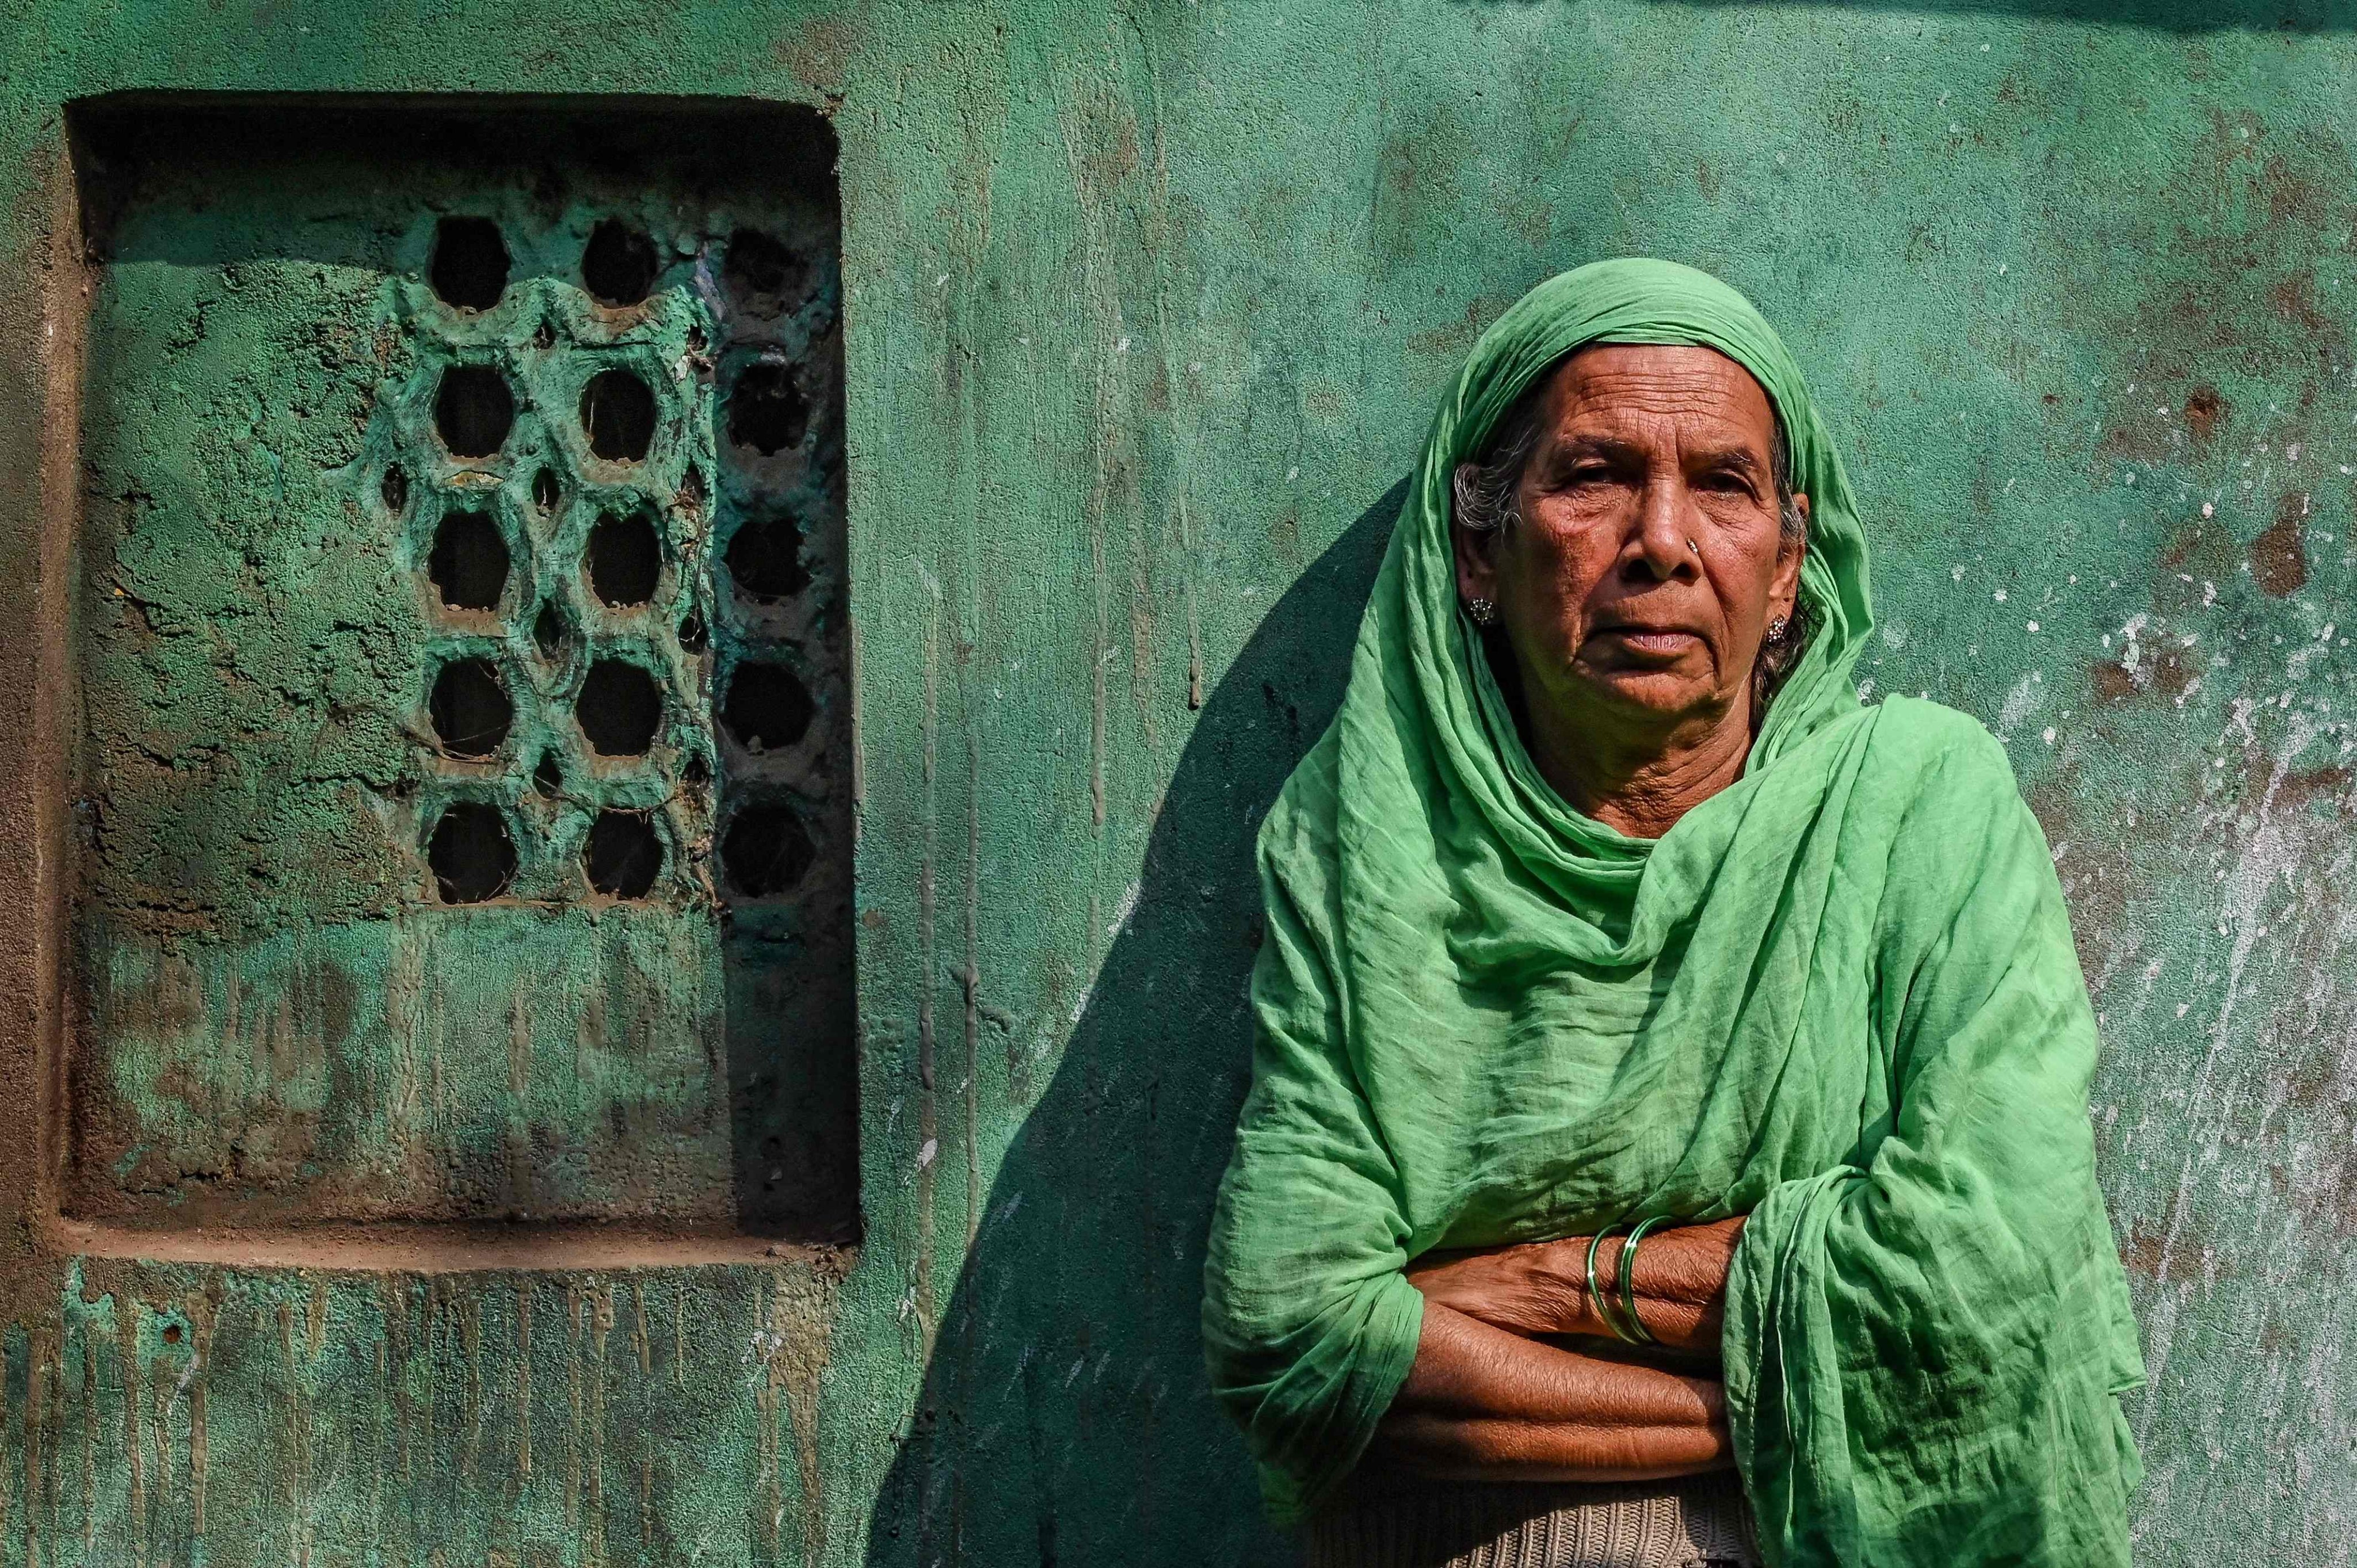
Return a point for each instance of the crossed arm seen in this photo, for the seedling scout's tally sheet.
(1495, 1394)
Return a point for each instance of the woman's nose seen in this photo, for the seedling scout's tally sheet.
(1665, 540)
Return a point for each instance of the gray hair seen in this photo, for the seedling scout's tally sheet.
(1487, 492)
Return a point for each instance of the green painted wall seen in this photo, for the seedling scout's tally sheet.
(1145, 309)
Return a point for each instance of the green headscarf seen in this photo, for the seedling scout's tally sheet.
(1839, 996)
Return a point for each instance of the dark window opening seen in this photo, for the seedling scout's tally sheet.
(692, 635)
(767, 707)
(469, 708)
(473, 411)
(544, 491)
(767, 412)
(548, 630)
(548, 778)
(619, 708)
(395, 489)
(618, 414)
(767, 278)
(471, 854)
(623, 855)
(468, 563)
(619, 263)
(471, 262)
(765, 851)
(764, 560)
(625, 559)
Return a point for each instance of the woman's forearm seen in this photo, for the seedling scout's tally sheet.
(1679, 1283)
(1481, 1403)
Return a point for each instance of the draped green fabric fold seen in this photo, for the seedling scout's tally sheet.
(1839, 996)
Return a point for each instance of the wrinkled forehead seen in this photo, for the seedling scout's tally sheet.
(1645, 389)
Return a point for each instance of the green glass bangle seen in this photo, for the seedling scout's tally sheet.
(1629, 1277)
(1602, 1303)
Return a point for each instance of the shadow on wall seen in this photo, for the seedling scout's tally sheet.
(1065, 1417)
(2163, 16)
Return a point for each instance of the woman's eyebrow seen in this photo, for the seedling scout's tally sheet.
(1613, 449)
(1727, 457)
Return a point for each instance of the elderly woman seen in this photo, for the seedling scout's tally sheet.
(1668, 1140)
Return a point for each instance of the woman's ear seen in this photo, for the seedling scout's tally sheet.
(1784, 588)
(1475, 549)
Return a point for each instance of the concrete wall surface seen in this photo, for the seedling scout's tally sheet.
(1144, 308)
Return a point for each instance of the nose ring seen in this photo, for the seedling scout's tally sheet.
(1693, 546)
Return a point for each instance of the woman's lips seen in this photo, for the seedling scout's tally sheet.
(1658, 641)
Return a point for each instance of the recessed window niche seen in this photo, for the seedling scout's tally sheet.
(490, 863)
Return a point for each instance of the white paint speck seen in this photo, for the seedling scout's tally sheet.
(2020, 704)
(932, 1151)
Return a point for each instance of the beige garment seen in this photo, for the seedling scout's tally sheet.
(1386, 1520)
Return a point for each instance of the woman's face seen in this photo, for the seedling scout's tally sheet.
(1649, 560)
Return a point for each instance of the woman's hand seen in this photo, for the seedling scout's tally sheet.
(1487, 1401)
(1540, 1288)
(1483, 1404)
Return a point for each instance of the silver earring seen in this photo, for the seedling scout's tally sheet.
(1778, 627)
(1483, 612)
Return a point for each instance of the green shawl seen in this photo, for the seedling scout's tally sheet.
(1839, 996)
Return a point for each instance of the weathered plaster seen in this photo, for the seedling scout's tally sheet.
(1146, 310)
